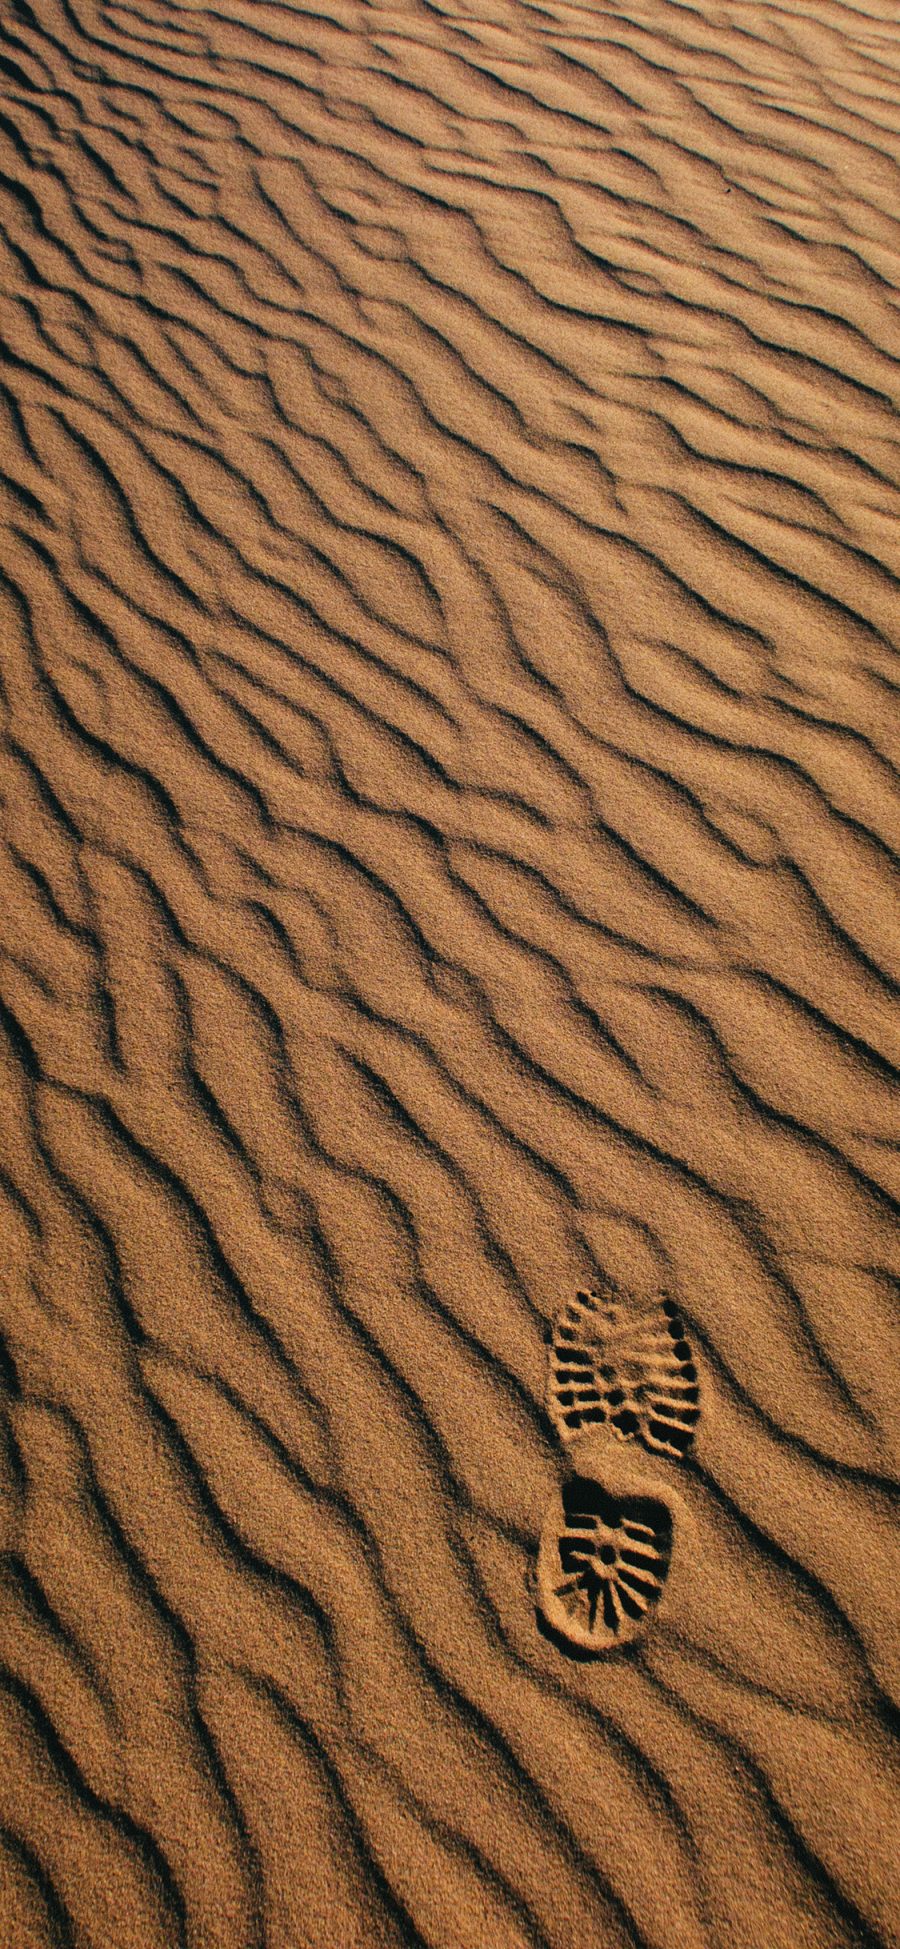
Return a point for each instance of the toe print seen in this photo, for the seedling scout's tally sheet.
(601, 1568)
(626, 1366)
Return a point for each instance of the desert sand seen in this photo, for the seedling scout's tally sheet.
(449, 939)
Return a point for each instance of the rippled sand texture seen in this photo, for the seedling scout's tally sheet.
(448, 573)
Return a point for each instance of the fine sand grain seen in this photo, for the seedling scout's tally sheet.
(449, 575)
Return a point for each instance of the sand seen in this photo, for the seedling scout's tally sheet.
(449, 568)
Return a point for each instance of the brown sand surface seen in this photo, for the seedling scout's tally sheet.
(449, 602)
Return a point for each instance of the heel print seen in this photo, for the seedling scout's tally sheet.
(602, 1566)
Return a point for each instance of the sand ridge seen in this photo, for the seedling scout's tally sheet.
(448, 843)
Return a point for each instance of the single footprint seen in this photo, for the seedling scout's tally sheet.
(623, 1369)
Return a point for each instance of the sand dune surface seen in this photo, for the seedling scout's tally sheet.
(449, 1351)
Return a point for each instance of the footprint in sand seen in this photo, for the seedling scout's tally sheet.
(621, 1370)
